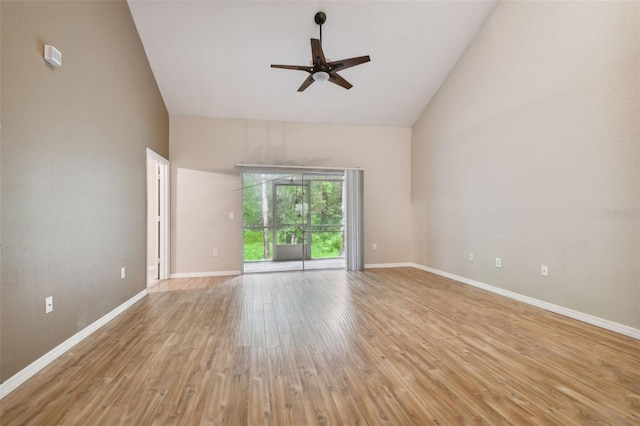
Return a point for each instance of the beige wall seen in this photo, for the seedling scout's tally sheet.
(530, 152)
(205, 183)
(73, 169)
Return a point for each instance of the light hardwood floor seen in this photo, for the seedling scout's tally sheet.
(394, 346)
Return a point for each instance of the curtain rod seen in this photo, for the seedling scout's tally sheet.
(292, 168)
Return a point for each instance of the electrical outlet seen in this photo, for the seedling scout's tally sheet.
(498, 262)
(215, 252)
(470, 257)
(48, 304)
(122, 273)
(374, 246)
(544, 270)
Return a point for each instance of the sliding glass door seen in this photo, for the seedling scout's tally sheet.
(293, 221)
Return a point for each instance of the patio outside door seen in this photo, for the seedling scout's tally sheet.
(291, 232)
(293, 221)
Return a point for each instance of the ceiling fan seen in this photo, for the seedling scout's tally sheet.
(321, 70)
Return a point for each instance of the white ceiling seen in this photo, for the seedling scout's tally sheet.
(212, 58)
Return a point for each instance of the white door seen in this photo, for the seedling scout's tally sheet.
(157, 218)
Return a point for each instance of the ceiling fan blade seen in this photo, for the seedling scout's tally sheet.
(336, 79)
(294, 67)
(306, 83)
(348, 63)
(316, 52)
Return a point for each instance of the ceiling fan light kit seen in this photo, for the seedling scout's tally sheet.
(321, 76)
(320, 70)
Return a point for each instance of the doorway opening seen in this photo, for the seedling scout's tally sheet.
(157, 218)
(293, 221)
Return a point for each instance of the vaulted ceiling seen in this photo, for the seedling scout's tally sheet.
(212, 58)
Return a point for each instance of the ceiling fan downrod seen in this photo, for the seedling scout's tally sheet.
(320, 19)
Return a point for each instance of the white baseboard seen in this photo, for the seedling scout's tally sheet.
(580, 316)
(387, 265)
(23, 375)
(205, 274)
(152, 284)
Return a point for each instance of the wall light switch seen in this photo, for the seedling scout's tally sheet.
(232, 215)
(374, 246)
(122, 273)
(498, 262)
(215, 253)
(470, 257)
(48, 304)
(544, 270)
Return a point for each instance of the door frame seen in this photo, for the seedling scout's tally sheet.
(165, 210)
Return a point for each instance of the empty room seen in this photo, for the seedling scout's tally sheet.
(319, 212)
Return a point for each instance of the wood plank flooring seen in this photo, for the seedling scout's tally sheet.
(395, 346)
